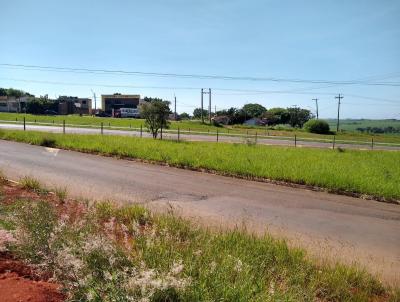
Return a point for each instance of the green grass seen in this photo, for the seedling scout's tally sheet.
(197, 126)
(112, 253)
(353, 124)
(375, 173)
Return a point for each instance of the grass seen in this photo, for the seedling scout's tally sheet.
(105, 252)
(31, 183)
(374, 173)
(189, 125)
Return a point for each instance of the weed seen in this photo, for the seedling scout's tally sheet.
(61, 193)
(31, 183)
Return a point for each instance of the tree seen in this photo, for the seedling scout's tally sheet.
(298, 116)
(184, 116)
(317, 126)
(253, 110)
(155, 113)
(277, 116)
(40, 105)
(197, 113)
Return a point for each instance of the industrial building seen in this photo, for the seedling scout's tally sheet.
(74, 105)
(115, 101)
(13, 104)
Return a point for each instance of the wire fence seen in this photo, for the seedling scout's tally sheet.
(178, 134)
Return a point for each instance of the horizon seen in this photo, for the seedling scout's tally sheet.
(317, 43)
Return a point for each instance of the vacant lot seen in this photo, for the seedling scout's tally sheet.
(196, 126)
(374, 173)
(103, 252)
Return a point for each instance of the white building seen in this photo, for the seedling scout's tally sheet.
(12, 103)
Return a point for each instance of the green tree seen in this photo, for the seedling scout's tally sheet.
(277, 116)
(184, 116)
(298, 116)
(253, 110)
(197, 113)
(156, 114)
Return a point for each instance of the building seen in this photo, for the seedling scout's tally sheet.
(74, 105)
(111, 102)
(13, 104)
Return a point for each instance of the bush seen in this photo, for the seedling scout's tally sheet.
(317, 126)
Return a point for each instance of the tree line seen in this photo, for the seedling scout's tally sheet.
(294, 116)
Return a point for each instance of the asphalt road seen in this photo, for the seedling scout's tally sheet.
(203, 137)
(331, 226)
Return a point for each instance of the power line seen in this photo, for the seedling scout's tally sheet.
(196, 76)
(242, 91)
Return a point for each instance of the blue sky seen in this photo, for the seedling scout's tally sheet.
(329, 40)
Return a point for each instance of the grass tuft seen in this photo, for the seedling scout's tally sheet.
(31, 183)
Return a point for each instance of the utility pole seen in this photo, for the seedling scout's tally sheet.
(209, 105)
(175, 107)
(339, 97)
(202, 117)
(316, 104)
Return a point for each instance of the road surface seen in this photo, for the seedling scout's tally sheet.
(204, 137)
(327, 225)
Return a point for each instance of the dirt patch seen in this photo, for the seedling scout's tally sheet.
(19, 282)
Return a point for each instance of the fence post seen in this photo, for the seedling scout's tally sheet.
(189, 130)
(295, 140)
(53, 121)
(178, 134)
(333, 142)
(161, 133)
(141, 130)
(109, 124)
(217, 136)
(256, 137)
(101, 128)
(16, 119)
(24, 124)
(372, 143)
(35, 121)
(64, 126)
(130, 125)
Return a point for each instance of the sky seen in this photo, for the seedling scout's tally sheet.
(307, 40)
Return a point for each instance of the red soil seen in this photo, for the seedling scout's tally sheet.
(18, 283)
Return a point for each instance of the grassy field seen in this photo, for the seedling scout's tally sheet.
(353, 124)
(103, 252)
(375, 173)
(193, 126)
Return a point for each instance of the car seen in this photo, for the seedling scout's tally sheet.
(102, 114)
(50, 112)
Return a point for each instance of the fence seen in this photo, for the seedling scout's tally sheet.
(180, 134)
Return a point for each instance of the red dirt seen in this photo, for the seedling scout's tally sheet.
(19, 283)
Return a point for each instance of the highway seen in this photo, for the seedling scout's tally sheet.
(205, 137)
(329, 226)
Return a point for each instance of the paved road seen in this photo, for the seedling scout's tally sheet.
(327, 225)
(202, 137)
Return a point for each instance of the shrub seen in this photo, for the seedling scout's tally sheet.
(317, 126)
(48, 142)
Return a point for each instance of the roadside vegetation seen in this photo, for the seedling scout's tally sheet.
(372, 173)
(103, 252)
(196, 126)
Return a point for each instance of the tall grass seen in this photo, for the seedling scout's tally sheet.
(111, 253)
(375, 173)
